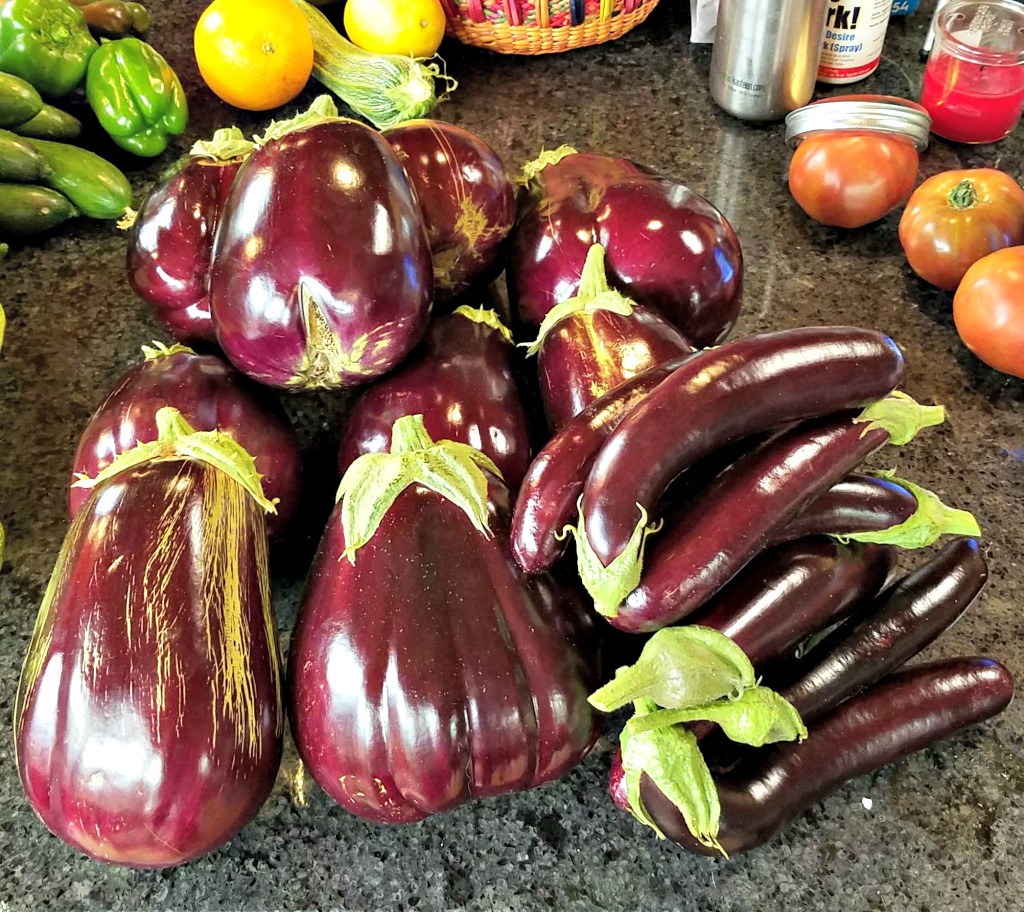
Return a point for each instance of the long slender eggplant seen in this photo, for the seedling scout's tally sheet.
(741, 388)
(734, 519)
(859, 503)
(905, 619)
(170, 245)
(467, 200)
(595, 341)
(668, 248)
(148, 722)
(212, 396)
(462, 382)
(321, 273)
(905, 712)
(425, 668)
(551, 490)
(794, 590)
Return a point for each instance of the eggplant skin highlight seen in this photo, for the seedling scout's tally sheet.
(148, 721)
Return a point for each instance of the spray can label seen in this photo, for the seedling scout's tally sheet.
(854, 35)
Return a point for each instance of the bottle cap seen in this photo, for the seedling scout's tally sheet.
(876, 113)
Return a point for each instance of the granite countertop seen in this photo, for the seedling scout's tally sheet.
(944, 828)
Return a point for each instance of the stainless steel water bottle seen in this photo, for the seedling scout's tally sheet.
(765, 59)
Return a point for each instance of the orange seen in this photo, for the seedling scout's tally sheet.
(410, 28)
(254, 54)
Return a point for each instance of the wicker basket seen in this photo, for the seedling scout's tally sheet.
(542, 26)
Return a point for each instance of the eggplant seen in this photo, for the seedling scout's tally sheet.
(548, 498)
(466, 197)
(148, 720)
(595, 341)
(905, 712)
(859, 503)
(425, 668)
(902, 622)
(321, 274)
(170, 244)
(668, 248)
(462, 383)
(734, 519)
(741, 388)
(212, 396)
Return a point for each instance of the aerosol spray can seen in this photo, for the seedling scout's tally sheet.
(765, 59)
(854, 34)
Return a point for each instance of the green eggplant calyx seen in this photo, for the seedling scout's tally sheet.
(487, 317)
(691, 674)
(177, 439)
(547, 157)
(373, 482)
(758, 716)
(931, 520)
(322, 110)
(158, 350)
(680, 667)
(608, 586)
(901, 416)
(595, 294)
(226, 145)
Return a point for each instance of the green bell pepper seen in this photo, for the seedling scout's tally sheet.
(46, 43)
(136, 96)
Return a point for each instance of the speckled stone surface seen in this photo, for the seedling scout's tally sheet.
(945, 827)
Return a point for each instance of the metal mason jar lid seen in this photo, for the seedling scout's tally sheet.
(861, 112)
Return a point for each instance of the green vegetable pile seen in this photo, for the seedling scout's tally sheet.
(48, 50)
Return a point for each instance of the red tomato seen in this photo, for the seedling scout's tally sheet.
(849, 178)
(988, 309)
(955, 218)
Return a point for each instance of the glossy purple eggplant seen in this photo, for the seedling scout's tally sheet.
(321, 272)
(148, 722)
(592, 343)
(466, 197)
(212, 396)
(551, 490)
(426, 669)
(170, 244)
(903, 713)
(462, 382)
(668, 248)
(744, 387)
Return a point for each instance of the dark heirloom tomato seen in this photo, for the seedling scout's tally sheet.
(212, 396)
(988, 309)
(425, 668)
(852, 178)
(465, 195)
(170, 245)
(462, 382)
(955, 218)
(148, 721)
(667, 247)
(321, 272)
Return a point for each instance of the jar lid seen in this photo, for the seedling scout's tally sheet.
(878, 113)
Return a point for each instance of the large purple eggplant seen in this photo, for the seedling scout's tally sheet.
(668, 248)
(148, 722)
(170, 245)
(321, 272)
(425, 668)
(462, 383)
(212, 396)
(595, 341)
(466, 197)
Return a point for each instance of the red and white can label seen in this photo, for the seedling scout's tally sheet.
(853, 39)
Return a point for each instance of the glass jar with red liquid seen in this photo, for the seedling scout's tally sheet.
(974, 81)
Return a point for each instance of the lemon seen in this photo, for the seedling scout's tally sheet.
(411, 28)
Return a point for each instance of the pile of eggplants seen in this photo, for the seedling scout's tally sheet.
(312, 256)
